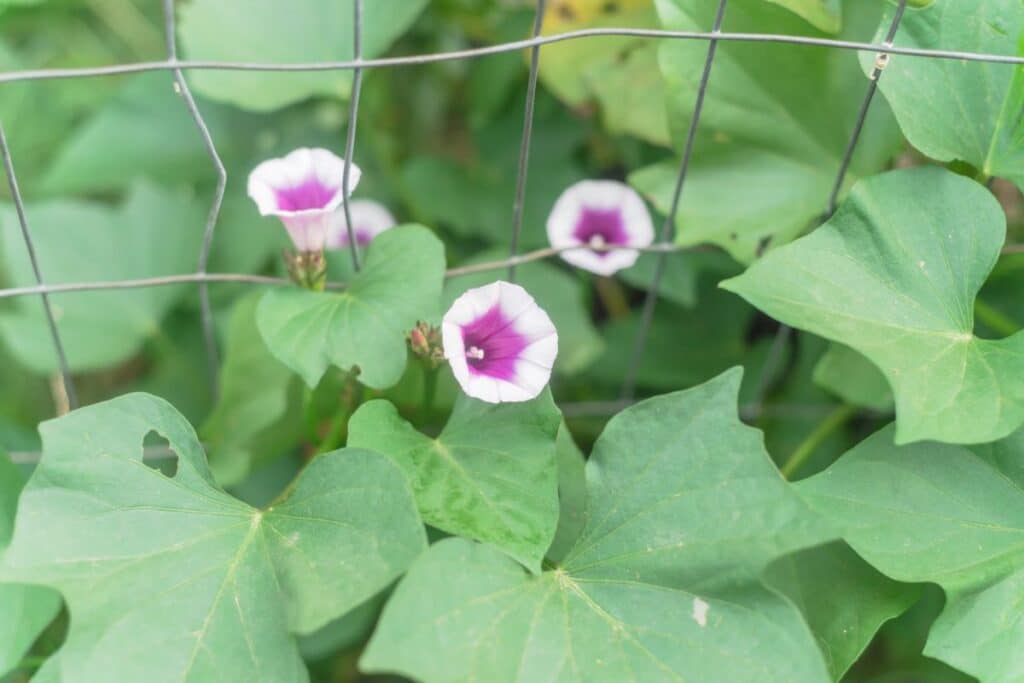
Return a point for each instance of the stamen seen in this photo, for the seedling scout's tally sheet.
(475, 352)
(597, 242)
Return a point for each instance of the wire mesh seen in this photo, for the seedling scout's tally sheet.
(357, 65)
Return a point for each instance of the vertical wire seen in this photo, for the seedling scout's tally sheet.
(524, 147)
(668, 227)
(862, 115)
(51, 321)
(353, 115)
(784, 332)
(206, 310)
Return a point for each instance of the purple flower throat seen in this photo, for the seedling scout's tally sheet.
(311, 194)
(602, 227)
(493, 345)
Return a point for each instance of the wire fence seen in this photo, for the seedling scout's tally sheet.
(664, 247)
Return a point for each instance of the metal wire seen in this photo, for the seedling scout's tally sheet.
(668, 227)
(353, 117)
(524, 146)
(51, 321)
(880, 62)
(417, 60)
(205, 308)
(358, 65)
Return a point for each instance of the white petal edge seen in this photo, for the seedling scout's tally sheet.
(367, 214)
(292, 170)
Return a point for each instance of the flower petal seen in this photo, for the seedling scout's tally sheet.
(500, 344)
(369, 217)
(302, 189)
(602, 212)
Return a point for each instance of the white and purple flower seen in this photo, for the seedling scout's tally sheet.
(369, 219)
(600, 214)
(500, 344)
(303, 189)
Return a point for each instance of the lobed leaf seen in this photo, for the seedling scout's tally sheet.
(171, 579)
(684, 511)
(491, 475)
(894, 275)
(946, 514)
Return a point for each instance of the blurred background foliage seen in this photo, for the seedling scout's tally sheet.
(117, 184)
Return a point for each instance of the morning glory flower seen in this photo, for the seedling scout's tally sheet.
(600, 213)
(369, 217)
(303, 189)
(500, 344)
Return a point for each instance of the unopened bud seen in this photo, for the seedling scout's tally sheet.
(425, 342)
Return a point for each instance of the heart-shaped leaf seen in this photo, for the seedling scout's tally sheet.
(491, 475)
(365, 325)
(685, 509)
(294, 31)
(766, 160)
(945, 514)
(155, 232)
(24, 610)
(973, 108)
(170, 578)
(894, 275)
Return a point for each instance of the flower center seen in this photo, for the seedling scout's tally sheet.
(493, 345)
(310, 194)
(601, 228)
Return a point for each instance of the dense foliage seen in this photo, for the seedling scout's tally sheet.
(821, 479)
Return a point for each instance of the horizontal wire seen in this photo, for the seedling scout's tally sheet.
(413, 60)
(187, 278)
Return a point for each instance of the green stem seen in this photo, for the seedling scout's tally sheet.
(336, 432)
(612, 296)
(31, 663)
(994, 318)
(833, 421)
(429, 390)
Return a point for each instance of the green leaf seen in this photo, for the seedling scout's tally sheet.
(154, 232)
(843, 599)
(365, 325)
(619, 73)
(572, 495)
(24, 610)
(825, 15)
(945, 514)
(298, 31)
(661, 584)
(557, 292)
(145, 130)
(491, 475)
(894, 275)
(850, 376)
(972, 111)
(171, 579)
(765, 161)
(254, 395)
(681, 277)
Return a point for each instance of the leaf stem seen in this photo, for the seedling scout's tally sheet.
(833, 421)
(31, 663)
(995, 319)
(429, 390)
(612, 296)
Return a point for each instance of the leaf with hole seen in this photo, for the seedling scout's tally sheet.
(944, 514)
(491, 475)
(684, 511)
(894, 275)
(365, 325)
(170, 578)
